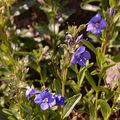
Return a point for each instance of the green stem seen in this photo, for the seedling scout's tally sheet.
(42, 80)
(96, 105)
(63, 87)
(64, 80)
(104, 46)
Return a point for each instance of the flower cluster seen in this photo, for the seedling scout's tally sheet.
(96, 24)
(45, 99)
(73, 40)
(80, 56)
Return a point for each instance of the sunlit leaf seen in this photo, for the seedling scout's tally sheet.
(71, 102)
(105, 109)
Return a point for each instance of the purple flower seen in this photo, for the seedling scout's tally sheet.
(96, 24)
(69, 38)
(80, 56)
(72, 40)
(45, 100)
(59, 100)
(79, 38)
(30, 92)
(111, 11)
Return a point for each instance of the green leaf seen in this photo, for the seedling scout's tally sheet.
(3, 116)
(81, 74)
(73, 85)
(90, 80)
(7, 111)
(73, 30)
(116, 18)
(100, 58)
(105, 109)
(71, 102)
(103, 70)
(89, 45)
(4, 48)
(2, 34)
(34, 65)
(57, 86)
(81, 27)
(91, 107)
(74, 68)
(112, 3)
(25, 108)
(94, 72)
(116, 58)
(92, 111)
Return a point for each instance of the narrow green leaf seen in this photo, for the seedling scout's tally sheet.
(74, 68)
(7, 111)
(25, 108)
(100, 58)
(57, 86)
(81, 27)
(116, 58)
(89, 45)
(90, 80)
(71, 102)
(91, 107)
(73, 30)
(4, 48)
(81, 74)
(2, 34)
(94, 72)
(105, 109)
(92, 111)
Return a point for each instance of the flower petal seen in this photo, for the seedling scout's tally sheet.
(81, 61)
(91, 27)
(30, 92)
(97, 31)
(44, 106)
(45, 94)
(60, 100)
(73, 59)
(38, 99)
(79, 38)
(96, 18)
(80, 50)
(86, 55)
(111, 11)
(52, 101)
(102, 24)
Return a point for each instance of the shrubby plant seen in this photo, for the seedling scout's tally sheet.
(48, 73)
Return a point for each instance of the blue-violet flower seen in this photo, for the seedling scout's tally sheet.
(69, 38)
(96, 24)
(80, 56)
(111, 11)
(45, 99)
(79, 38)
(59, 100)
(30, 92)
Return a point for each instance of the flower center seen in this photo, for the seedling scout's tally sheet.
(45, 100)
(97, 24)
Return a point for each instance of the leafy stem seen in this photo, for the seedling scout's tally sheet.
(64, 80)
